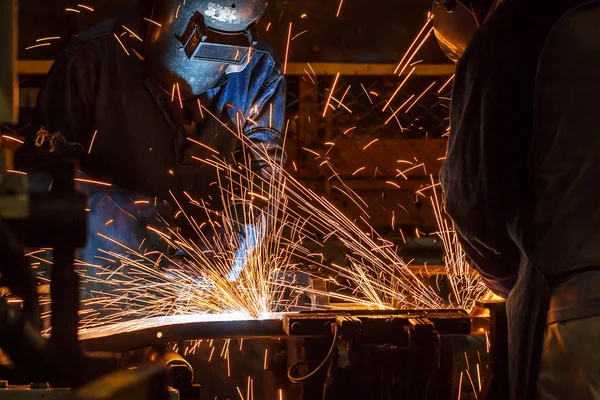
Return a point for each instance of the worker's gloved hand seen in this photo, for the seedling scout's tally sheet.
(250, 240)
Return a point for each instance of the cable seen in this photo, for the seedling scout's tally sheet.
(327, 357)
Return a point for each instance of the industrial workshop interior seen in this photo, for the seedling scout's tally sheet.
(299, 199)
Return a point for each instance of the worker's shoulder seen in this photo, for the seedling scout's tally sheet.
(264, 56)
(501, 51)
(577, 30)
(91, 42)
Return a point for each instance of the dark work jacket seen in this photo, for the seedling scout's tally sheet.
(522, 190)
(123, 130)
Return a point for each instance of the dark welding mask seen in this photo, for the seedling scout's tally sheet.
(200, 41)
(456, 21)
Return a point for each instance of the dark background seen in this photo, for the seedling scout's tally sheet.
(368, 35)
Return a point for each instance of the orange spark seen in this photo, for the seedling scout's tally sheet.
(153, 22)
(203, 145)
(299, 34)
(399, 108)
(92, 182)
(141, 202)
(340, 105)
(370, 143)
(37, 45)
(367, 93)
(412, 44)
(311, 151)
(345, 93)
(12, 138)
(445, 84)
(92, 142)
(339, 8)
(349, 129)
(421, 95)
(259, 196)
(393, 184)
(416, 51)
(86, 7)
(121, 43)
(48, 38)
(398, 89)
(12, 171)
(268, 27)
(200, 108)
(287, 49)
(73, 10)
(133, 33)
(358, 170)
(331, 94)
(179, 96)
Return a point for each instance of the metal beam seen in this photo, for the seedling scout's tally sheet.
(157, 330)
(367, 69)
(9, 88)
(34, 67)
(40, 67)
(160, 330)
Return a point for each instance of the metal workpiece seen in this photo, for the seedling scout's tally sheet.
(154, 331)
(455, 322)
(159, 330)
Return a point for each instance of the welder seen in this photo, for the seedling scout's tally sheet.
(140, 100)
(520, 177)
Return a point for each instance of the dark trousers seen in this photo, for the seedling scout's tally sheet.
(570, 363)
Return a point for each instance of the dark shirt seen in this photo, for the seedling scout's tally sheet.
(523, 229)
(123, 130)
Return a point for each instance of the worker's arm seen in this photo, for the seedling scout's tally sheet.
(266, 115)
(264, 130)
(62, 126)
(478, 178)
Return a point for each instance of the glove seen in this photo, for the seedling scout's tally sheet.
(250, 240)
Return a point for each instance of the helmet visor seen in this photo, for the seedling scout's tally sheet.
(453, 30)
(202, 43)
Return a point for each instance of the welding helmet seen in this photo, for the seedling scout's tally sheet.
(456, 21)
(199, 41)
